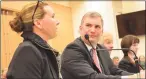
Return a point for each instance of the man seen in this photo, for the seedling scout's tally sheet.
(107, 41)
(116, 60)
(77, 61)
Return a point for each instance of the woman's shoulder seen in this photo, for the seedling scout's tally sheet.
(27, 46)
(124, 61)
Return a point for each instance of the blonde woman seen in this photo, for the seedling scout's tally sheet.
(107, 41)
(34, 58)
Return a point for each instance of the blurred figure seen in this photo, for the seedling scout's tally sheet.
(142, 61)
(116, 61)
(107, 41)
(34, 58)
(128, 63)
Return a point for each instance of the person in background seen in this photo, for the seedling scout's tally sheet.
(127, 63)
(107, 41)
(142, 61)
(34, 58)
(81, 58)
(116, 61)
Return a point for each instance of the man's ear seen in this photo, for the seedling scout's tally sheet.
(101, 32)
(80, 28)
(38, 23)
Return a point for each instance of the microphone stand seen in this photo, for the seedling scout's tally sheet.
(136, 61)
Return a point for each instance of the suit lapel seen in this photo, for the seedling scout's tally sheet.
(102, 54)
(85, 50)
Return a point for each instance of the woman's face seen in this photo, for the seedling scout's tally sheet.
(134, 47)
(49, 23)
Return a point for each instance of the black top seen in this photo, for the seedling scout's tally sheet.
(33, 59)
(125, 64)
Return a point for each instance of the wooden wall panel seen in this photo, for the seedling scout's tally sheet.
(3, 45)
(9, 39)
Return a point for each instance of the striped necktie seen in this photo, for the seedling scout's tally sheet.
(96, 59)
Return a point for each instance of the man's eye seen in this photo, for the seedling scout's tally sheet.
(88, 25)
(97, 26)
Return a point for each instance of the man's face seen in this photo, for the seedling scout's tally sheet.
(49, 23)
(93, 27)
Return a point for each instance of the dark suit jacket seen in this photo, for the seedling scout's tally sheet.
(77, 63)
(125, 64)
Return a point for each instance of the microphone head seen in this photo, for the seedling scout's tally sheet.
(86, 36)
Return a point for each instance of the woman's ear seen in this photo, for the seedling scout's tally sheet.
(38, 23)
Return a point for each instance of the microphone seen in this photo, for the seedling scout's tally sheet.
(136, 58)
(87, 38)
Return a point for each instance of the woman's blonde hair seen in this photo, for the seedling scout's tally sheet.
(106, 36)
(23, 20)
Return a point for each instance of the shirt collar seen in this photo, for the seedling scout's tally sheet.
(89, 47)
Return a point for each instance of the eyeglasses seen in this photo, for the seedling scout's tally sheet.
(36, 9)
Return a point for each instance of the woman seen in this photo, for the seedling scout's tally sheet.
(34, 58)
(128, 63)
(107, 41)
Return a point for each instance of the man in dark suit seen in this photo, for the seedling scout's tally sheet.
(81, 60)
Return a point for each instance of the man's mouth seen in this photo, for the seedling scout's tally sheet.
(92, 36)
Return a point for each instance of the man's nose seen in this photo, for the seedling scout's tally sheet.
(92, 29)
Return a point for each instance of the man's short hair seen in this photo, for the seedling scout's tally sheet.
(92, 14)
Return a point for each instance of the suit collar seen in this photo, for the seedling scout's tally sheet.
(37, 40)
(34, 37)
